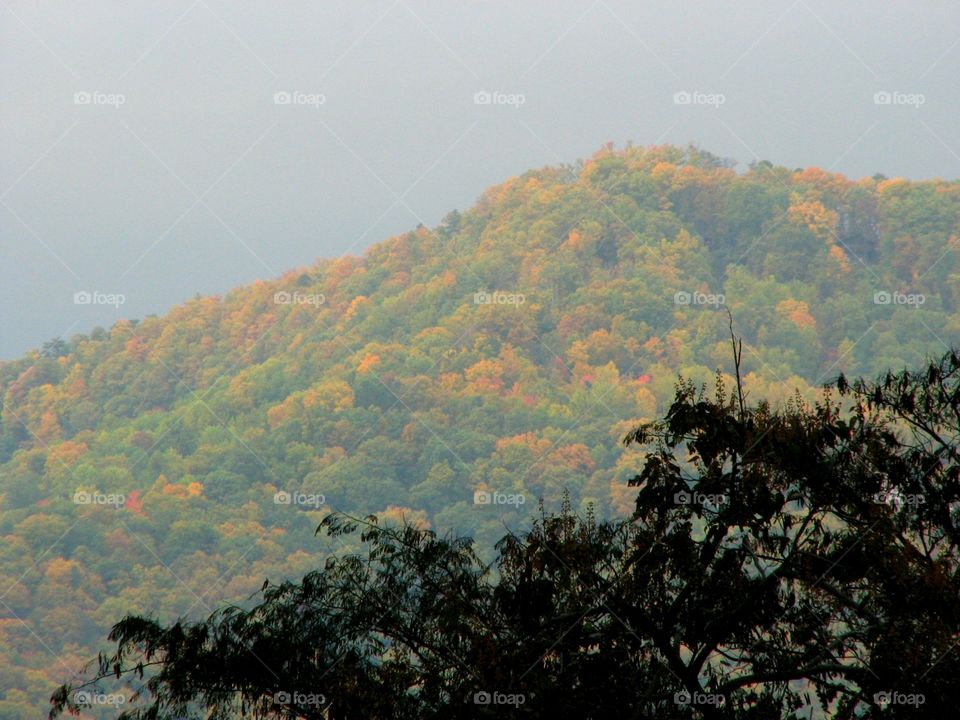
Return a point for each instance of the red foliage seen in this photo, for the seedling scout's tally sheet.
(134, 503)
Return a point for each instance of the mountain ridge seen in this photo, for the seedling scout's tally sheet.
(397, 382)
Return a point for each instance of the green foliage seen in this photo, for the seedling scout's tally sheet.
(778, 564)
(382, 372)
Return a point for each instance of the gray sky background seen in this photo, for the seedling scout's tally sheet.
(200, 181)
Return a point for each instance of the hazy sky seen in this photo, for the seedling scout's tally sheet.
(146, 151)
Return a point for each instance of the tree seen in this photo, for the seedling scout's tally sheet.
(776, 560)
(55, 348)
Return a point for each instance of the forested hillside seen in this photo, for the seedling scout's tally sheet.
(454, 375)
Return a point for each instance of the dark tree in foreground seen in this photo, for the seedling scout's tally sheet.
(798, 559)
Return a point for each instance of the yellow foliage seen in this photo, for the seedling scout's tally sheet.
(529, 440)
(818, 219)
(647, 403)
(891, 185)
(330, 394)
(60, 570)
(397, 514)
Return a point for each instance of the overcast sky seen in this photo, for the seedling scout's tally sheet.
(159, 150)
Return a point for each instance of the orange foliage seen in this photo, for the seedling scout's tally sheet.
(798, 312)
(137, 348)
(67, 453)
(655, 347)
(369, 361)
(279, 414)
(486, 376)
(49, 430)
(358, 303)
(839, 255)
(574, 457)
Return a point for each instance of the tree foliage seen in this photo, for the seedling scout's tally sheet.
(797, 559)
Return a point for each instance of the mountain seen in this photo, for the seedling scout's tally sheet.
(457, 375)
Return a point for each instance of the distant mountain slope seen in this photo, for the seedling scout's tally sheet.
(169, 464)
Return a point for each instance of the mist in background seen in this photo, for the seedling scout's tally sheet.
(153, 151)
